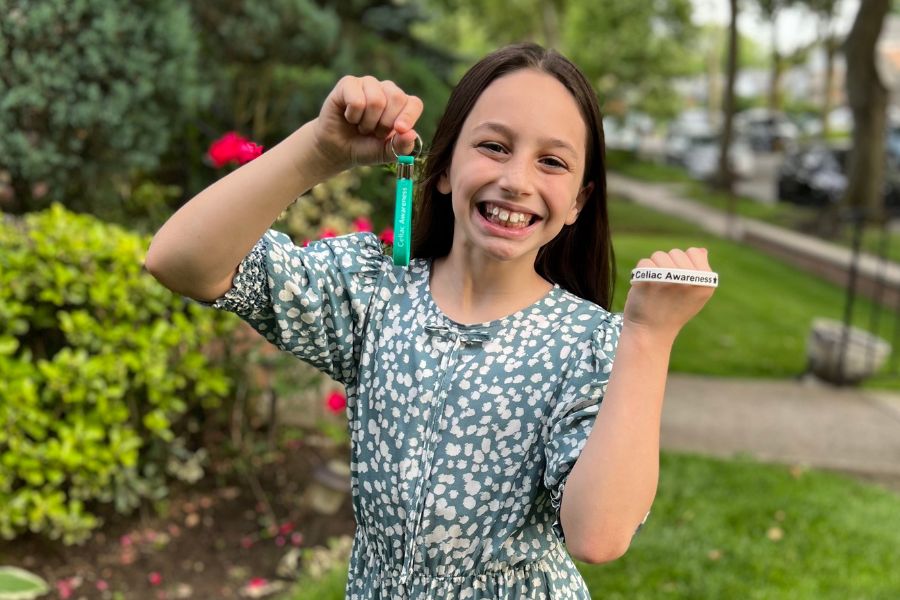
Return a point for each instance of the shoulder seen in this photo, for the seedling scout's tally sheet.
(583, 315)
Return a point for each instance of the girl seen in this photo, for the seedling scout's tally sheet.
(474, 377)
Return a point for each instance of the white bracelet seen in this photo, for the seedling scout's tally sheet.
(681, 276)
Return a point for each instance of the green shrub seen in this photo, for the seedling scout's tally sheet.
(98, 362)
(91, 92)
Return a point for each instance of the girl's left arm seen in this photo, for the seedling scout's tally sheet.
(612, 484)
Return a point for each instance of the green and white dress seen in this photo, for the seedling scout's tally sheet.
(462, 436)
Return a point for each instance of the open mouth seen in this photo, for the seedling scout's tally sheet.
(505, 217)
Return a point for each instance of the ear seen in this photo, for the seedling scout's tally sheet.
(443, 184)
(582, 197)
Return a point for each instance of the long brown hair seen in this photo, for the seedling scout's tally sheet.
(579, 259)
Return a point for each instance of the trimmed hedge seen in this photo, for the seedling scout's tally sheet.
(98, 362)
(91, 94)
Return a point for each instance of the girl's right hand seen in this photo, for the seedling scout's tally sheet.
(359, 118)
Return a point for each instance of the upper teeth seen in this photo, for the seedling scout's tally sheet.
(506, 215)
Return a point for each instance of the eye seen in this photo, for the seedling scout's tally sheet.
(554, 163)
(492, 147)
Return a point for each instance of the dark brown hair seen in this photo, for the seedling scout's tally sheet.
(580, 258)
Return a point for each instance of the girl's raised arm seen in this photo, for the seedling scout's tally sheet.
(197, 251)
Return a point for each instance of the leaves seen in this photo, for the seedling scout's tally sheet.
(98, 363)
(19, 584)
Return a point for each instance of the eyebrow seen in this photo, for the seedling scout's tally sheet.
(508, 132)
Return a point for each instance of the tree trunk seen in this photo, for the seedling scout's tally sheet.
(868, 99)
(831, 46)
(725, 178)
(550, 24)
(777, 68)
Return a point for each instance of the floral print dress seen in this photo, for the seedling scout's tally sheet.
(462, 436)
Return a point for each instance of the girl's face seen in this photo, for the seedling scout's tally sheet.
(516, 171)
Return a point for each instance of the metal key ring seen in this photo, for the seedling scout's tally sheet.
(414, 153)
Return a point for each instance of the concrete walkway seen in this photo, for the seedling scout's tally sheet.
(794, 422)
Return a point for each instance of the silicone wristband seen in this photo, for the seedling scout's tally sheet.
(680, 276)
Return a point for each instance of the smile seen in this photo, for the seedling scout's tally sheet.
(504, 217)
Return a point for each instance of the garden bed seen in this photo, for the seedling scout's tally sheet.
(211, 540)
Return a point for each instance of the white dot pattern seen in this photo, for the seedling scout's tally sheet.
(462, 436)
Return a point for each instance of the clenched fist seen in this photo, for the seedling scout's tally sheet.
(359, 118)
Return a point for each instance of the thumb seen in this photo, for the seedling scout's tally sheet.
(401, 144)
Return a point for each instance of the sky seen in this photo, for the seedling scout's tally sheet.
(795, 26)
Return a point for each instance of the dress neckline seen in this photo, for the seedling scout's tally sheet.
(484, 325)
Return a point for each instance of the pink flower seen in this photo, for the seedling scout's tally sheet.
(362, 224)
(336, 402)
(285, 528)
(328, 232)
(231, 148)
(246, 542)
(258, 582)
(64, 587)
(154, 578)
(102, 585)
(296, 538)
(387, 236)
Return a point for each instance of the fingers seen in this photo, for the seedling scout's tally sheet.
(378, 107)
(692, 258)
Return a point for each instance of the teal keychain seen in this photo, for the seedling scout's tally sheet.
(403, 200)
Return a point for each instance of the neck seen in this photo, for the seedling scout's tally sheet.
(471, 289)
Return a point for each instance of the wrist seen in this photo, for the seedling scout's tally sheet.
(310, 161)
(648, 336)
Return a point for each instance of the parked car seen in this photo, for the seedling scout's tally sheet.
(702, 157)
(817, 176)
(767, 131)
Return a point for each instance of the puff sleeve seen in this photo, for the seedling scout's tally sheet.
(312, 301)
(573, 415)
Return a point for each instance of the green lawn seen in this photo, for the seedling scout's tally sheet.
(757, 322)
(740, 529)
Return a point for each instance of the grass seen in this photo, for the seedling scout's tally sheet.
(757, 323)
(742, 529)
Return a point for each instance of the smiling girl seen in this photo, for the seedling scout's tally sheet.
(480, 456)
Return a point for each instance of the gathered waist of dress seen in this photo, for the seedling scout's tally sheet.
(375, 565)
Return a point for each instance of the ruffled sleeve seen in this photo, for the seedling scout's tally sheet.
(311, 302)
(572, 418)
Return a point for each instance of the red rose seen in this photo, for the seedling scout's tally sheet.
(336, 402)
(232, 148)
(362, 224)
(387, 236)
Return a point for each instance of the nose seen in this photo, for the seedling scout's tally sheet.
(516, 178)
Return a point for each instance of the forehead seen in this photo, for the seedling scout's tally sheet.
(532, 104)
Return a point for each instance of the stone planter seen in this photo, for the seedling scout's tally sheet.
(329, 487)
(865, 353)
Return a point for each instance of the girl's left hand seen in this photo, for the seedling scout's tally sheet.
(664, 308)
